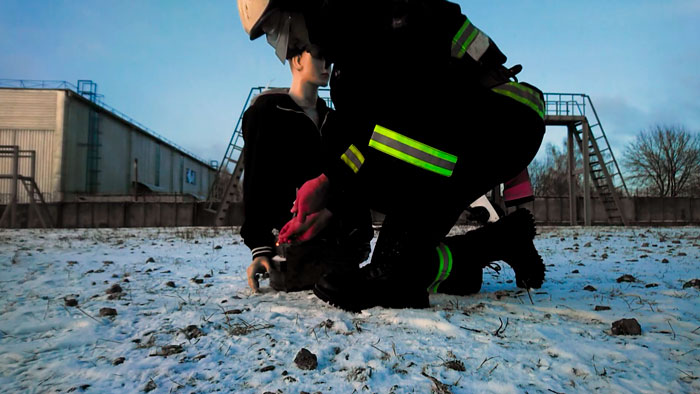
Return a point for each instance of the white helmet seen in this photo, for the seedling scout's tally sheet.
(284, 26)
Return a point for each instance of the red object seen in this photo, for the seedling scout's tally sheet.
(311, 197)
(518, 190)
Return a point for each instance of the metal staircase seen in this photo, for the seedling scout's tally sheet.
(603, 170)
(226, 187)
(36, 201)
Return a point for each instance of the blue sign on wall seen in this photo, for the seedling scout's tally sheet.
(191, 177)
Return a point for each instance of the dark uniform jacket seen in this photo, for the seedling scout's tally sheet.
(283, 149)
(421, 69)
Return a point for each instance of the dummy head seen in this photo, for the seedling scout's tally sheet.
(307, 68)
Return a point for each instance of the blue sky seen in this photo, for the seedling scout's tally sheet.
(184, 68)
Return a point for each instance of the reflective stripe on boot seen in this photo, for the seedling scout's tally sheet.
(445, 256)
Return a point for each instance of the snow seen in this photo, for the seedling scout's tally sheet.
(504, 343)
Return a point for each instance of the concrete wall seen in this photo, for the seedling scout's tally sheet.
(642, 211)
(548, 211)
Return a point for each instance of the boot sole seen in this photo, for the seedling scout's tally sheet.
(519, 224)
(416, 301)
(325, 297)
(524, 259)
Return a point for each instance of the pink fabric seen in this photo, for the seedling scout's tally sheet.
(518, 188)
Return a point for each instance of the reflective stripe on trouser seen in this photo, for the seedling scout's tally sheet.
(523, 95)
(412, 151)
(445, 267)
(353, 158)
(469, 40)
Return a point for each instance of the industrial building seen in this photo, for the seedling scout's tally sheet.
(88, 151)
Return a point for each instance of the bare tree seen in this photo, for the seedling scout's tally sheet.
(664, 161)
(549, 174)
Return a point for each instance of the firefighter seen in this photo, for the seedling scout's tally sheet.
(283, 145)
(422, 96)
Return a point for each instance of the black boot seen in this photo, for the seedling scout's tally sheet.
(402, 267)
(509, 240)
(375, 285)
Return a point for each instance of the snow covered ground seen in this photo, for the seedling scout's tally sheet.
(186, 322)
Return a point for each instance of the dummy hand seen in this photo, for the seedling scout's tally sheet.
(311, 197)
(295, 230)
(260, 265)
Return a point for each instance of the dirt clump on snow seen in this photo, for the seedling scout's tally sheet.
(626, 327)
(692, 283)
(192, 332)
(626, 278)
(115, 292)
(306, 360)
(150, 386)
(108, 312)
(70, 302)
(456, 365)
(168, 350)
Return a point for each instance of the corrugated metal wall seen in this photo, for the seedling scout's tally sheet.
(55, 124)
(75, 137)
(27, 109)
(115, 156)
(28, 119)
(159, 165)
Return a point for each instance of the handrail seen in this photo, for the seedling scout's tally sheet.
(617, 167)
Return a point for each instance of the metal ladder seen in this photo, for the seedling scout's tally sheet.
(88, 89)
(604, 170)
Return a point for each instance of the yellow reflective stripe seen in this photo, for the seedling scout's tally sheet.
(353, 158)
(478, 46)
(415, 144)
(412, 151)
(349, 162)
(469, 39)
(409, 159)
(468, 42)
(357, 153)
(523, 95)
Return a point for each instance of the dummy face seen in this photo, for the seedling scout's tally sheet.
(310, 69)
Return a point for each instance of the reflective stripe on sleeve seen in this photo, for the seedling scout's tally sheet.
(353, 158)
(445, 256)
(469, 39)
(523, 95)
(412, 151)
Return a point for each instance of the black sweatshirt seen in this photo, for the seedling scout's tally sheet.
(284, 149)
